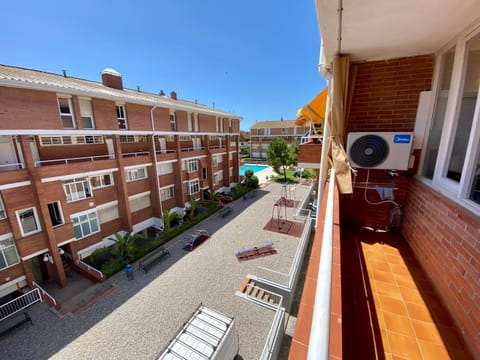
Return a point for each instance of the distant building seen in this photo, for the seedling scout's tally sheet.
(263, 131)
(244, 138)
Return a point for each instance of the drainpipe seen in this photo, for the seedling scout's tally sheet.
(155, 157)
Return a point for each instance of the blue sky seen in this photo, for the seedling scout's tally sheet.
(255, 58)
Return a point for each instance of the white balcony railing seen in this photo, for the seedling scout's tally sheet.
(73, 160)
(318, 346)
(18, 304)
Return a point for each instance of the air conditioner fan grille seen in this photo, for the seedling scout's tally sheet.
(369, 151)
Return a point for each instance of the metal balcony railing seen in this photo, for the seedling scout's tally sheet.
(18, 304)
(73, 160)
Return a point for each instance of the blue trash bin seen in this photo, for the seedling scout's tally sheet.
(129, 271)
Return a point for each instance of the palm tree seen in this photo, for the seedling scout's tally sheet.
(168, 216)
(126, 244)
(194, 204)
(215, 196)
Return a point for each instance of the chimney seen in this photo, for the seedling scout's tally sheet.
(112, 78)
(161, 93)
(173, 95)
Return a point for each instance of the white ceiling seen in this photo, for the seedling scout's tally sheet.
(385, 29)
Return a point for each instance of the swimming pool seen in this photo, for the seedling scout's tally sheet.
(253, 167)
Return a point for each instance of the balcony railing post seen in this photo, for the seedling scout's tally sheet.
(318, 345)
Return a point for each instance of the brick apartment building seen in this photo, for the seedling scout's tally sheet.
(81, 160)
(263, 131)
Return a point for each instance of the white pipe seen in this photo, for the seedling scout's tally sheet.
(155, 158)
(322, 178)
(318, 345)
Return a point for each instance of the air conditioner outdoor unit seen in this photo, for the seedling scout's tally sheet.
(380, 150)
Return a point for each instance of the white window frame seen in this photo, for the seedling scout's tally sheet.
(456, 191)
(192, 165)
(86, 112)
(72, 184)
(134, 174)
(190, 121)
(71, 140)
(4, 237)
(167, 193)
(193, 186)
(70, 114)
(195, 122)
(217, 177)
(3, 211)
(60, 213)
(101, 181)
(88, 221)
(165, 168)
(121, 112)
(36, 219)
(173, 121)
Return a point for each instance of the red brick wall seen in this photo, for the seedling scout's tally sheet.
(27, 109)
(446, 241)
(386, 93)
(385, 98)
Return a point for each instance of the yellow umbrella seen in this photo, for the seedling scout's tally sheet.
(314, 111)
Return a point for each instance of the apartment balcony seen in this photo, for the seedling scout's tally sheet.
(137, 157)
(188, 152)
(71, 165)
(216, 149)
(166, 154)
(382, 303)
(13, 173)
(309, 155)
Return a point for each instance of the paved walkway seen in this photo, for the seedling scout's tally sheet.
(138, 318)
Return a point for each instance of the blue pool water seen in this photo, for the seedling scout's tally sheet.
(254, 168)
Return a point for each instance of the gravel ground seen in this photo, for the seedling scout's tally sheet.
(138, 318)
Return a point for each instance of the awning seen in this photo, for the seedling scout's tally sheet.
(314, 111)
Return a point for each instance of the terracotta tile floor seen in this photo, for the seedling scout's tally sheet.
(390, 311)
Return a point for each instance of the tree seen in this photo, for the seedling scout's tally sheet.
(279, 155)
(194, 204)
(167, 217)
(294, 153)
(251, 181)
(126, 244)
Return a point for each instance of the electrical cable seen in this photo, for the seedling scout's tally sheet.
(378, 202)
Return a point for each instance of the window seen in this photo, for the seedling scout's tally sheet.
(192, 165)
(231, 172)
(173, 125)
(122, 117)
(86, 113)
(108, 213)
(55, 212)
(230, 129)
(8, 251)
(189, 121)
(165, 168)
(204, 173)
(66, 113)
(217, 177)
(170, 138)
(70, 140)
(267, 131)
(100, 181)
(193, 187)
(77, 189)
(167, 193)
(219, 124)
(195, 122)
(139, 201)
(185, 138)
(85, 224)
(28, 220)
(217, 159)
(452, 155)
(3, 213)
(136, 174)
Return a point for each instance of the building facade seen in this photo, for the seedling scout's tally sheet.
(81, 160)
(263, 131)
